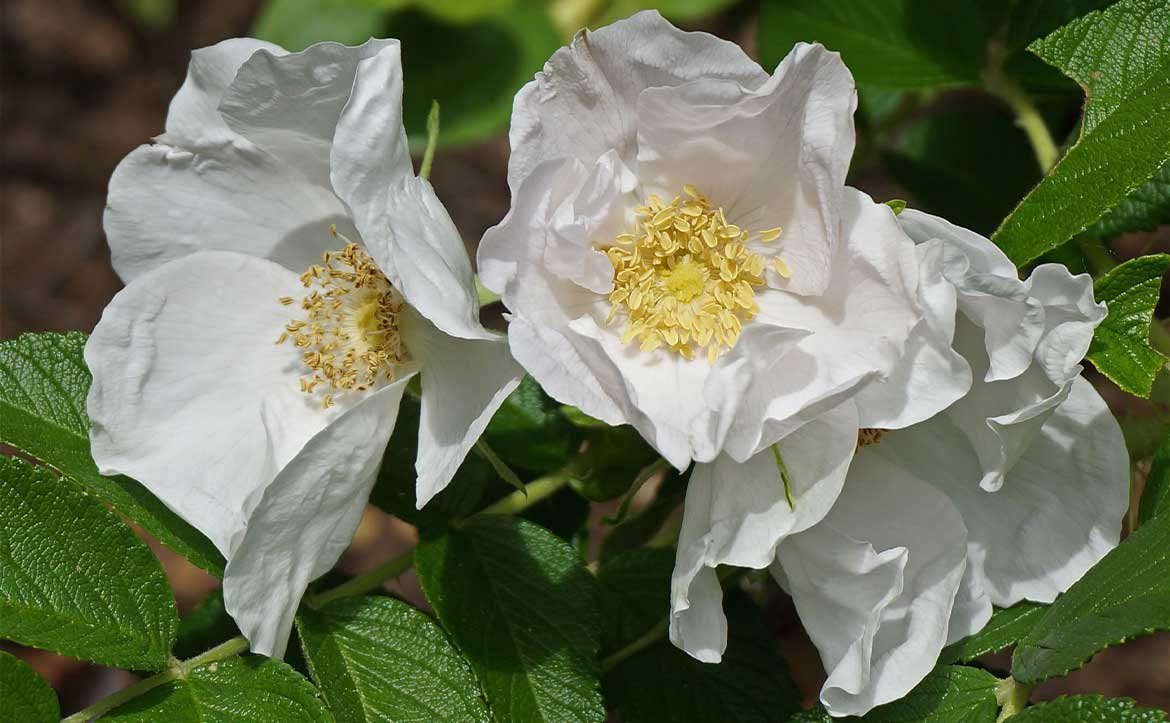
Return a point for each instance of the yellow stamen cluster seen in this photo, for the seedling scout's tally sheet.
(867, 436)
(350, 330)
(685, 279)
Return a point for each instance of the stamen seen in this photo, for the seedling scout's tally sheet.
(685, 278)
(350, 331)
(867, 436)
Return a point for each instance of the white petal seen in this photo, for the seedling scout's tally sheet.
(775, 155)
(193, 119)
(419, 249)
(464, 382)
(931, 376)
(1059, 509)
(305, 520)
(191, 396)
(370, 152)
(875, 582)
(289, 105)
(583, 103)
(858, 329)
(166, 202)
(736, 514)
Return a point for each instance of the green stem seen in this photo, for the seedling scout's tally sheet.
(1027, 116)
(784, 476)
(367, 581)
(650, 637)
(1012, 696)
(1098, 256)
(624, 509)
(483, 449)
(424, 170)
(178, 671)
(528, 495)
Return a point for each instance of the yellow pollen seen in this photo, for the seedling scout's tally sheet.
(349, 333)
(867, 436)
(684, 278)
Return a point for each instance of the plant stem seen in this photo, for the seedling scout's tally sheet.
(1027, 117)
(178, 671)
(367, 581)
(424, 170)
(1012, 696)
(650, 637)
(528, 495)
(483, 449)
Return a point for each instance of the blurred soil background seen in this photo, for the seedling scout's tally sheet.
(85, 81)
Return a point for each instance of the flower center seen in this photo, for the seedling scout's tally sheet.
(350, 328)
(684, 278)
(867, 436)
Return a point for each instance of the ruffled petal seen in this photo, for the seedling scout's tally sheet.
(583, 103)
(193, 119)
(932, 375)
(1059, 510)
(875, 583)
(305, 520)
(771, 156)
(464, 382)
(857, 330)
(289, 105)
(190, 395)
(420, 251)
(736, 514)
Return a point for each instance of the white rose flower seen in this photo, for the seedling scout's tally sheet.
(250, 373)
(1010, 494)
(682, 254)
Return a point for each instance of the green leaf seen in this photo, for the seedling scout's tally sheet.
(1031, 19)
(250, 689)
(297, 24)
(1088, 709)
(677, 10)
(1124, 595)
(1147, 208)
(1156, 497)
(1118, 56)
(529, 431)
(949, 694)
(613, 458)
(1121, 345)
(1006, 627)
(26, 696)
(74, 579)
(505, 51)
(464, 11)
(43, 386)
(378, 659)
(663, 683)
(519, 603)
(969, 165)
(885, 43)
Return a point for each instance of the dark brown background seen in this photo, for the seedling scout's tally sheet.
(83, 84)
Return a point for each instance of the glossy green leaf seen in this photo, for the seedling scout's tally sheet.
(1124, 595)
(885, 43)
(1088, 709)
(379, 659)
(43, 386)
(74, 579)
(663, 683)
(520, 605)
(1118, 56)
(297, 24)
(970, 165)
(530, 432)
(26, 697)
(473, 69)
(1156, 496)
(1145, 209)
(949, 694)
(1121, 344)
(249, 689)
(1006, 627)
